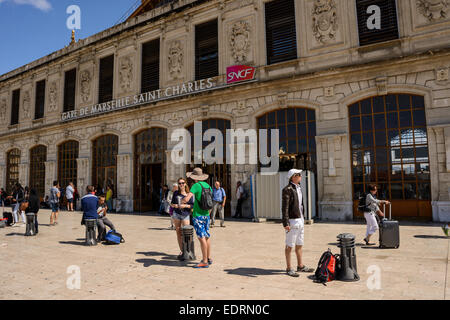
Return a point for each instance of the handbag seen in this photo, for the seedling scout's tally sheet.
(24, 206)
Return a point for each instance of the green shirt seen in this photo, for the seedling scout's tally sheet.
(196, 189)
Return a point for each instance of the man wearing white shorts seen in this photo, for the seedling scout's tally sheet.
(293, 221)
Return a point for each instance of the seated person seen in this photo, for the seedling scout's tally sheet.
(45, 204)
(102, 219)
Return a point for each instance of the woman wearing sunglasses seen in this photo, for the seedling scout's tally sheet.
(181, 211)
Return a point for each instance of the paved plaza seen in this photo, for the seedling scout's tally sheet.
(248, 263)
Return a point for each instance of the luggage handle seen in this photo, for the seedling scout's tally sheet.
(390, 210)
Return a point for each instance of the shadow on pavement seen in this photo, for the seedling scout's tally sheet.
(160, 229)
(254, 272)
(15, 234)
(166, 260)
(74, 243)
(431, 237)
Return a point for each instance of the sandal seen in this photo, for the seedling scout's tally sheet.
(305, 269)
(202, 265)
(210, 261)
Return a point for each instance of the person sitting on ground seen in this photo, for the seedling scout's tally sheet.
(102, 219)
(89, 204)
(33, 206)
(373, 204)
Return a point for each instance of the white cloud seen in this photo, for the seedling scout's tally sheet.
(43, 5)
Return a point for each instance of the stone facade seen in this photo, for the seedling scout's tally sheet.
(331, 73)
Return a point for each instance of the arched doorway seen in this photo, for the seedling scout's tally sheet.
(150, 146)
(104, 162)
(38, 157)
(67, 166)
(297, 135)
(12, 169)
(216, 172)
(389, 148)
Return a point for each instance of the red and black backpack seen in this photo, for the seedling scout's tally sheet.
(327, 268)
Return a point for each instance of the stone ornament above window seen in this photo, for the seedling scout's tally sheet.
(53, 96)
(126, 74)
(175, 59)
(442, 74)
(433, 10)
(26, 105)
(85, 86)
(3, 110)
(240, 41)
(325, 22)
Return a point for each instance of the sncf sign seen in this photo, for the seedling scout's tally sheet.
(240, 73)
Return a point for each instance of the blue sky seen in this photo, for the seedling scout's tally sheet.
(31, 29)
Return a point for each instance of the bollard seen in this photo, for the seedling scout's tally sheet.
(31, 226)
(347, 270)
(187, 235)
(91, 228)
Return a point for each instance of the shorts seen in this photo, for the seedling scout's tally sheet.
(70, 200)
(55, 207)
(180, 217)
(201, 226)
(295, 237)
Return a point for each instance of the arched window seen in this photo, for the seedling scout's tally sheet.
(297, 130)
(104, 162)
(38, 157)
(12, 169)
(389, 146)
(67, 162)
(150, 146)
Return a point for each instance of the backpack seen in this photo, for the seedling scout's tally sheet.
(362, 207)
(113, 237)
(327, 267)
(206, 200)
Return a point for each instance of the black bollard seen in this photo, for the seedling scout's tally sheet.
(91, 228)
(31, 226)
(347, 270)
(187, 235)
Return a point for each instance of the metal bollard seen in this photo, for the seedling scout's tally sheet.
(348, 270)
(31, 226)
(91, 228)
(187, 235)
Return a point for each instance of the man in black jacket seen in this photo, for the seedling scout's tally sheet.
(33, 206)
(293, 221)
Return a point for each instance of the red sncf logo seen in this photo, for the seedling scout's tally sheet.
(240, 73)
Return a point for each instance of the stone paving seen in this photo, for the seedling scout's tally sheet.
(248, 263)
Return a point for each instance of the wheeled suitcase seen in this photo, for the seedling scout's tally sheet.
(389, 231)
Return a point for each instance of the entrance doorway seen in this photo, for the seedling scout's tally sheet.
(216, 172)
(104, 168)
(150, 180)
(150, 170)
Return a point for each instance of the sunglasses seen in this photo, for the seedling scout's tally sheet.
(297, 175)
(181, 182)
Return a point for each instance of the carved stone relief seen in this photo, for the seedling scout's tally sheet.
(85, 87)
(3, 110)
(126, 74)
(433, 9)
(26, 105)
(53, 96)
(240, 41)
(325, 22)
(175, 59)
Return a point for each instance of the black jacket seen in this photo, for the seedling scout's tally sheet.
(33, 204)
(289, 205)
(21, 195)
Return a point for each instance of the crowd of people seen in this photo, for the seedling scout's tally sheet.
(186, 205)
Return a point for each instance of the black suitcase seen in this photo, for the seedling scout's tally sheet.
(389, 232)
(8, 216)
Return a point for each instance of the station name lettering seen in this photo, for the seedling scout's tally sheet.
(139, 99)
